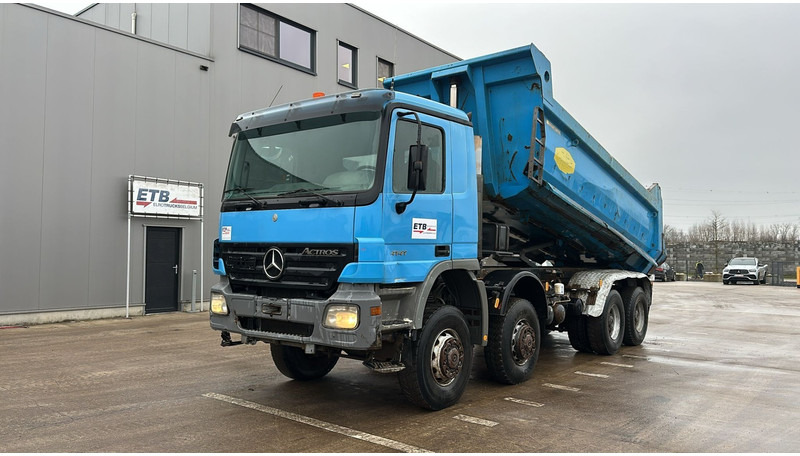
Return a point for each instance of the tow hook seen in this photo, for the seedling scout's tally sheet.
(226, 340)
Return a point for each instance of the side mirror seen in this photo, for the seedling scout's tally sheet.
(417, 164)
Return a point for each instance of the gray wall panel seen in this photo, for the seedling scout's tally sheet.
(155, 89)
(112, 15)
(144, 19)
(67, 165)
(159, 25)
(125, 11)
(199, 28)
(97, 13)
(178, 25)
(23, 59)
(112, 160)
(192, 113)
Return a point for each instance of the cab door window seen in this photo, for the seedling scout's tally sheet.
(405, 137)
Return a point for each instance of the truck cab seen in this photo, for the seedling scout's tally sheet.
(344, 211)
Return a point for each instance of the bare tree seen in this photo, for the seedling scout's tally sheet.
(673, 235)
(717, 227)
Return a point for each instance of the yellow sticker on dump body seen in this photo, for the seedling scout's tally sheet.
(565, 161)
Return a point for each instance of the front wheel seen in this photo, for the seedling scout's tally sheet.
(514, 345)
(606, 331)
(296, 364)
(439, 362)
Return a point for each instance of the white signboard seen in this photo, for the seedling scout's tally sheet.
(163, 197)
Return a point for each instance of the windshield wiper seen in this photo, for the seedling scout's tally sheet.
(243, 191)
(320, 198)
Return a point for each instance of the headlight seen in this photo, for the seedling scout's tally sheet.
(218, 304)
(341, 316)
(751, 270)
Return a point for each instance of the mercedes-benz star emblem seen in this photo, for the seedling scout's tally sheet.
(273, 263)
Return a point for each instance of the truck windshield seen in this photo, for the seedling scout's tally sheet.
(323, 155)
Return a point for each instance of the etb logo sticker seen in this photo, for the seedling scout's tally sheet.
(423, 228)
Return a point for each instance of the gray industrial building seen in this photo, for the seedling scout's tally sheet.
(149, 90)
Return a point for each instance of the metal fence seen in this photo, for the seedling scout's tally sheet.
(783, 274)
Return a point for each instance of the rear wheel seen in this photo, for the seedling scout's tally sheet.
(606, 331)
(637, 312)
(296, 364)
(513, 346)
(439, 362)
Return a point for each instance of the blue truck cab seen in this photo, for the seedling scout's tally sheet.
(459, 207)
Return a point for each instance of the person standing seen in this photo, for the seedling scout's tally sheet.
(699, 269)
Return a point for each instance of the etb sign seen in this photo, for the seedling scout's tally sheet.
(161, 197)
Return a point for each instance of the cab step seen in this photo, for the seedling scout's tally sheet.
(384, 367)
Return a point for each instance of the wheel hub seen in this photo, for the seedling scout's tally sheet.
(523, 342)
(638, 318)
(447, 357)
(614, 323)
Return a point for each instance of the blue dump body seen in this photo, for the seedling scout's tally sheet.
(563, 195)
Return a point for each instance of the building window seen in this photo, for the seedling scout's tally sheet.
(385, 70)
(267, 35)
(347, 60)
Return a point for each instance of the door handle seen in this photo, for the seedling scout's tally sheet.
(176, 269)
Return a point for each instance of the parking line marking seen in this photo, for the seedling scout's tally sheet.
(561, 387)
(635, 357)
(388, 443)
(473, 420)
(615, 364)
(588, 374)
(524, 402)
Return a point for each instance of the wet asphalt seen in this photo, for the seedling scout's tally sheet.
(718, 372)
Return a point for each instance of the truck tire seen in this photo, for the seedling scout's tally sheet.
(607, 331)
(439, 362)
(637, 313)
(514, 343)
(295, 364)
(576, 330)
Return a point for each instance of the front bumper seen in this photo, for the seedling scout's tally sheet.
(296, 321)
(737, 276)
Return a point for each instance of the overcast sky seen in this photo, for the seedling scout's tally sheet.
(702, 98)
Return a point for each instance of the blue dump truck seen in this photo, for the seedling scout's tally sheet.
(460, 207)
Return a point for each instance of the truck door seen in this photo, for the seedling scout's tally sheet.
(422, 235)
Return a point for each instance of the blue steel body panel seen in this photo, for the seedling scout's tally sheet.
(313, 225)
(593, 204)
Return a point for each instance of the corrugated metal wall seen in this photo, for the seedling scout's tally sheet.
(183, 25)
(83, 106)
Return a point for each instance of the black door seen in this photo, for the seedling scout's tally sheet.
(161, 269)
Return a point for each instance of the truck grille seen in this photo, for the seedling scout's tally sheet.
(276, 326)
(309, 270)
